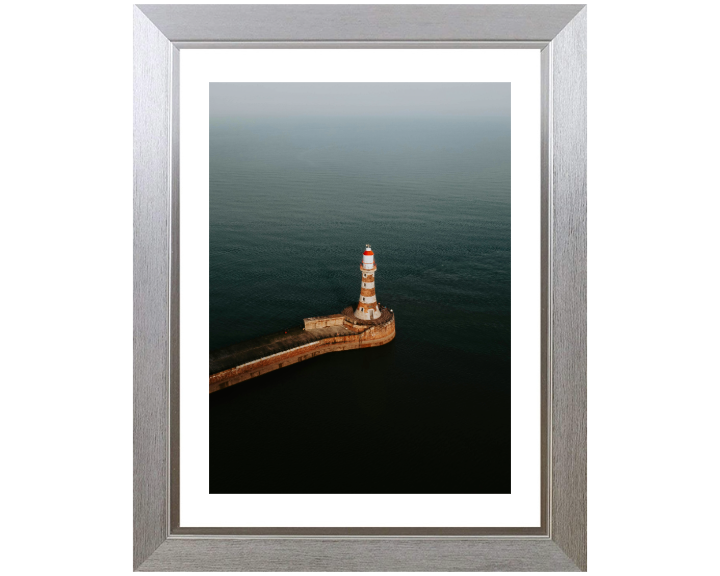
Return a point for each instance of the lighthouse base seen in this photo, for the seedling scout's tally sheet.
(367, 314)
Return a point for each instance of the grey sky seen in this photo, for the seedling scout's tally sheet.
(359, 99)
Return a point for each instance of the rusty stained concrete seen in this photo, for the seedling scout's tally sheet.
(323, 321)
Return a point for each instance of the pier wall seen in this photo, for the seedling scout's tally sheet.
(362, 337)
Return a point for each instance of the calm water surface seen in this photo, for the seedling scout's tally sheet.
(292, 204)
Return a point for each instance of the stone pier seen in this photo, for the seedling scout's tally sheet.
(334, 333)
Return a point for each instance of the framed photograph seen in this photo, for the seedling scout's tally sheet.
(402, 186)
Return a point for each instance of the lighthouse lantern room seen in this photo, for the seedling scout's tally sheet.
(367, 308)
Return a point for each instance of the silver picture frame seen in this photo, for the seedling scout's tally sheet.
(161, 33)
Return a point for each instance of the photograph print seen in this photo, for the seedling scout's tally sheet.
(360, 288)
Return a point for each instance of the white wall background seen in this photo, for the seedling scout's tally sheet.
(66, 289)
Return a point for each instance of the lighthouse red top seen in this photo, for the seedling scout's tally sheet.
(368, 259)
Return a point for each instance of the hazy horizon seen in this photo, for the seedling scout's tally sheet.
(360, 99)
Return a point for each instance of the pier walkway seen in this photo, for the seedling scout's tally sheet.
(263, 346)
(252, 358)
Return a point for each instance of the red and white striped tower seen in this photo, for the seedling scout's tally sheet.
(367, 308)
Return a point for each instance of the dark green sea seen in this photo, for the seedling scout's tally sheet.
(292, 204)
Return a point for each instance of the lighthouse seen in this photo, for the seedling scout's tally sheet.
(367, 308)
